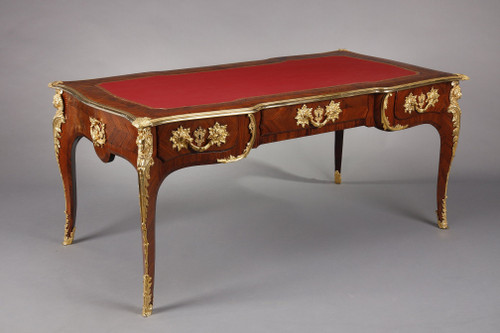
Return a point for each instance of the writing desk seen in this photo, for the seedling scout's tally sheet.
(164, 121)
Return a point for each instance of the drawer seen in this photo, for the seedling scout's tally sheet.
(426, 99)
(199, 137)
(324, 114)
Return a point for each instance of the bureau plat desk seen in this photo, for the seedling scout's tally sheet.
(164, 121)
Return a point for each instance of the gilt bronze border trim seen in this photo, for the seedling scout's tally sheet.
(256, 108)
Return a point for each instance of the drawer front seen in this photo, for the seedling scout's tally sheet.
(421, 100)
(199, 137)
(324, 115)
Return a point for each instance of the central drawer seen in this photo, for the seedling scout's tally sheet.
(324, 115)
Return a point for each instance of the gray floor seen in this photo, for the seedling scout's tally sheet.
(264, 245)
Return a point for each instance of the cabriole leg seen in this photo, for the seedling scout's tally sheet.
(67, 168)
(449, 132)
(148, 190)
(147, 197)
(65, 141)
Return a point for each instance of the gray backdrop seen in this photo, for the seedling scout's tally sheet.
(268, 244)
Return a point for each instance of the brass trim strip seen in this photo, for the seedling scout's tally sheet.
(252, 127)
(385, 121)
(59, 84)
(260, 106)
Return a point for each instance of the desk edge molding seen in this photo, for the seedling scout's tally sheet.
(258, 107)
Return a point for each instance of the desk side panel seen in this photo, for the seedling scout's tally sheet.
(117, 133)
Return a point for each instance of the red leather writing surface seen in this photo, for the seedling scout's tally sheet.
(224, 85)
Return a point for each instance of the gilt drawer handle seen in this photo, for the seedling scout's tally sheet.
(181, 137)
(97, 132)
(422, 102)
(319, 117)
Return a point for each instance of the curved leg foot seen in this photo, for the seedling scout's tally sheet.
(442, 186)
(147, 198)
(339, 140)
(67, 168)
